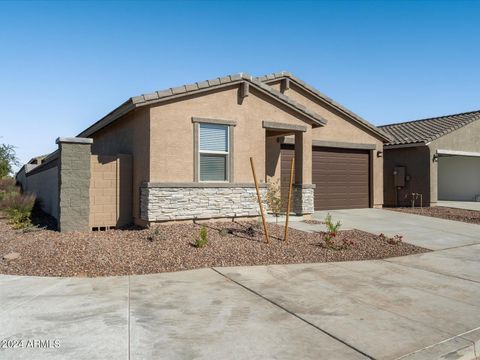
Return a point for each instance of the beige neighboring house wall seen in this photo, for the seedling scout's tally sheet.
(172, 156)
(340, 128)
(466, 139)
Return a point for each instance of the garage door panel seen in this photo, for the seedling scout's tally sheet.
(341, 177)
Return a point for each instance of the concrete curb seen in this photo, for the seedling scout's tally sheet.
(465, 346)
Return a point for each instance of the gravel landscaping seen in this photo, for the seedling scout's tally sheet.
(170, 248)
(468, 216)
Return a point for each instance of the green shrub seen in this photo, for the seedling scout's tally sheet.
(18, 208)
(202, 240)
(332, 230)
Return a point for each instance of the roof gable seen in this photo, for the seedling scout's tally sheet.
(427, 130)
(268, 79)
(198, 88)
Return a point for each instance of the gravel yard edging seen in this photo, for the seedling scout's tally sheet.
(441, 212)
(167, 248)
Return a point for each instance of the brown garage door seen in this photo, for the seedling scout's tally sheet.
(341, 177)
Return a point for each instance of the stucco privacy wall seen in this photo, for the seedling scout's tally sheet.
(44, 184)
(110, 191)
(129, 135)
(466, 138)
(341, 129)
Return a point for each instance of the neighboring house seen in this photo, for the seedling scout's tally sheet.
(438, 158)
(183, 153)
(21, 176)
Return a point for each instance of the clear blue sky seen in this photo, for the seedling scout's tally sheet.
(63, 65)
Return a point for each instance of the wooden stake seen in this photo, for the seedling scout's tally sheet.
(265, 229)
(289, 199)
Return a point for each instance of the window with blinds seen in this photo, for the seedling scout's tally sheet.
(213, 152)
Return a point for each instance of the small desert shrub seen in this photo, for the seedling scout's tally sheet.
(202, 239)
(18, 208)
(274, 199)
(397, 239)
(155, 234)
(347, 243)
(332, 230)
(225, 232)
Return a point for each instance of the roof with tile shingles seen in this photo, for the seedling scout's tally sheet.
(198, 87)
(427, 130)
(364, 123)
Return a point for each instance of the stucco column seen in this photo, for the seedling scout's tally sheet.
(303, 197)
(303, 157)
(74, 184)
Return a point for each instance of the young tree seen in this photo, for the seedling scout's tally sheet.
(274, 199)
(8, 159)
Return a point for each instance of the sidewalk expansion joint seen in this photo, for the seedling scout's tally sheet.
(295, 315)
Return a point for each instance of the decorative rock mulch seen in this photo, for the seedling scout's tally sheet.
(170, 248)
(468, 216)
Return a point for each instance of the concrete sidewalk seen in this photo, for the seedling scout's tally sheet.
(423, 306)
(419, 307)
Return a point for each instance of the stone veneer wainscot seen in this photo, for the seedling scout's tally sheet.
(163, 202)
(166, 202)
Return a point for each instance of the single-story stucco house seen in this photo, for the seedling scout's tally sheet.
(437, 157)
(183, 153)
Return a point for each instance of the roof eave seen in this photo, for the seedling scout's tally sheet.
(405, 145)
(318, 94)
(150, 99)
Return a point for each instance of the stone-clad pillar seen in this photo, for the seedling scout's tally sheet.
(74, 183)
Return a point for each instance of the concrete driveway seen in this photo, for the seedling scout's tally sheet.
(468, 205)
(416, 307)
(431, 233)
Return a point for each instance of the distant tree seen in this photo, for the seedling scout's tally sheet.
(8, 159)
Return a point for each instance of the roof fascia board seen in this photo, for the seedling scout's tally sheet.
(132, 104)
(399, 146)
(232, 84)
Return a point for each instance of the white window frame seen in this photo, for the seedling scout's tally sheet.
(227, 154)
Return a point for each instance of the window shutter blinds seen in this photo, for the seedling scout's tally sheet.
(213, 167)
(213, 137)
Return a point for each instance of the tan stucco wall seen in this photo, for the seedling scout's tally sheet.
(172, 133)
(273, 159)
(128, 135)
(341, 129)
(466, 138)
